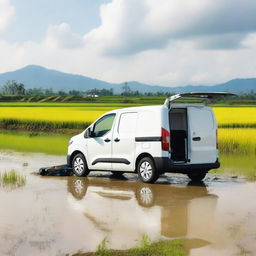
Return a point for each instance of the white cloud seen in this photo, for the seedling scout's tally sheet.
(165, 42)
(6, 14)
(181, 64)
(61, 36)
(131, 26)
(250, 41)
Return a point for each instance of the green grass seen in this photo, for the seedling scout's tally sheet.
(146, 248)
(12, 179)
(33, 142)
(237, 165)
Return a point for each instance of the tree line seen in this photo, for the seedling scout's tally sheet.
(14, 88)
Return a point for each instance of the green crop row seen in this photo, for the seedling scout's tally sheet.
(42, 126)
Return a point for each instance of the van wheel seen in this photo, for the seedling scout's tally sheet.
(79, 165)
(147, 171)
(197, 176)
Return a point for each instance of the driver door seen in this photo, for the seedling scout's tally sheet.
(100, 143)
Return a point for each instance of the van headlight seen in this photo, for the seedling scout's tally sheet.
(70, 142)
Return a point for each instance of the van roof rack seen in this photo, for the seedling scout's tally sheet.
(197, 95)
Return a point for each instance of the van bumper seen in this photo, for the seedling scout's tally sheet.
(165, 164)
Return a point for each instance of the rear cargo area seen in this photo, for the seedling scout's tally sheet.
(179, 134)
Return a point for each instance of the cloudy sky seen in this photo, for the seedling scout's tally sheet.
(165, 42)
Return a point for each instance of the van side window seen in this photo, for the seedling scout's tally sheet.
(104, 125)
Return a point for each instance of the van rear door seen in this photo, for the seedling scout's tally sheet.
(201, 135)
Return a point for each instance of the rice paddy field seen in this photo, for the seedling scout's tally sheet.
(71, 118)
(236, 116)
(77, 113)
(88, 112)
(237, 141)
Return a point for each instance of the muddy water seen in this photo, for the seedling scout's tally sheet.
(66, 215)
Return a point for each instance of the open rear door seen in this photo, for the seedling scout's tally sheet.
(201, 135)
(198, 95)
(200, 127)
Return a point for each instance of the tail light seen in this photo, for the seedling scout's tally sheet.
(217, 144)
(165, 139)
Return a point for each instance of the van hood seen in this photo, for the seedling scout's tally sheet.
(76, 138)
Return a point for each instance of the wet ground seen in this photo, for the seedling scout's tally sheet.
(66, 215)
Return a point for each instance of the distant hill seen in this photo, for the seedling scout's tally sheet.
(36, 76)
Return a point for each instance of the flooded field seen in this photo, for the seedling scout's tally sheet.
(70, 215)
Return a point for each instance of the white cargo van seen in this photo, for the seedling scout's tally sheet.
(152, 140)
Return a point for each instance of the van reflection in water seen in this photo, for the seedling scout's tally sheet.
(123, 211)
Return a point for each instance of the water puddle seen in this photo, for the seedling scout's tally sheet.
(67, 215)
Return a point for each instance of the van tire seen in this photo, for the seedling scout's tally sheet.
(79, 165)
(197, 175)
(147, 171)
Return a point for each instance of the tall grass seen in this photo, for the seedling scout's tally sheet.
(43, 126)
(12, 179)
(102, 249)
(146, 248)
(237, 141)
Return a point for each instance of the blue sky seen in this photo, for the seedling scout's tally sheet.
(164, 42)
(34, 16)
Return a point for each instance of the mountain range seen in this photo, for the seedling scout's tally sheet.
(39, 77)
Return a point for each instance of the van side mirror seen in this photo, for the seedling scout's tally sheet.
(88, 133)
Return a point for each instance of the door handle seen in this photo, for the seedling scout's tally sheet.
(116, 140)
(107, 140)
(196, 138)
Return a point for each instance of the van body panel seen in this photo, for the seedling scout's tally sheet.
(78, 144)
(149, 121)
(148, 133)
(97, 151)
